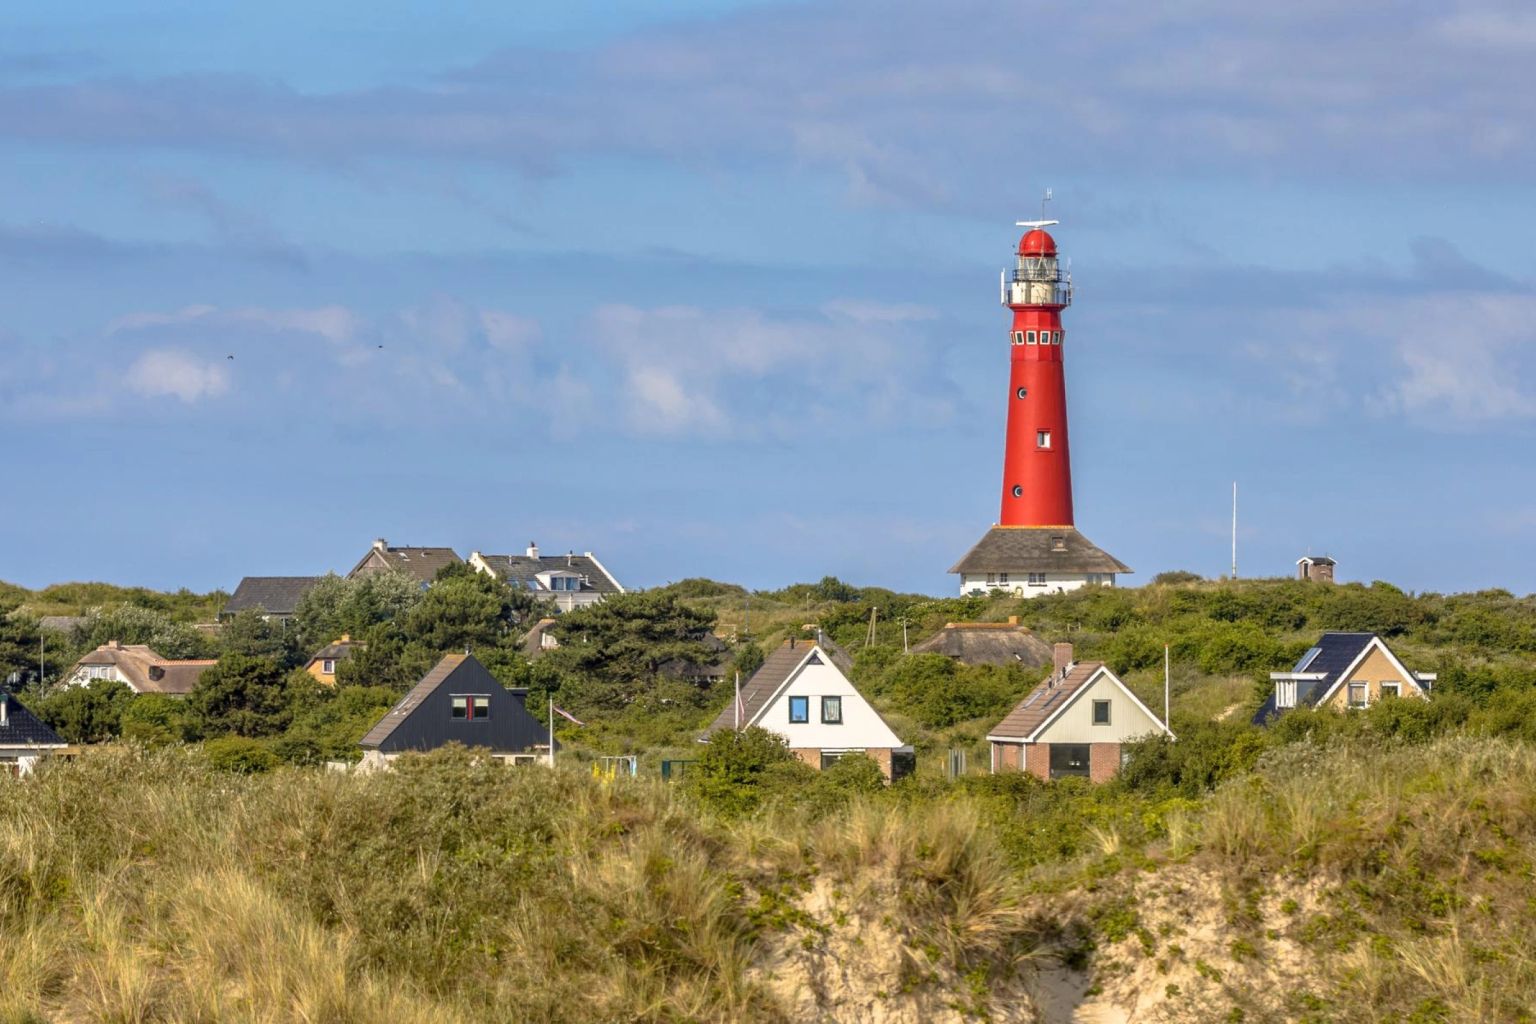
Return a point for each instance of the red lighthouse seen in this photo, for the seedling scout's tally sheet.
(1035, 547)
(1037, 468)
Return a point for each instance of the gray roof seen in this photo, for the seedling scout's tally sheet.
(422, 564)
(276, 595)
(336, 650)
(775, 669)
(1045, 700)
(988, 643)
(23, 729)
(1037, 549)
(403, 708)
(522, 571)
(1333, 653)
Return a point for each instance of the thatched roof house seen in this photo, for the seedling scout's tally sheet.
(988, 643)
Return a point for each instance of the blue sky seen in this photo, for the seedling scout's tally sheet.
(709, 288)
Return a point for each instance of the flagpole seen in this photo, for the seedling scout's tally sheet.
(737, 706)
(551, 732)
(1165, 686)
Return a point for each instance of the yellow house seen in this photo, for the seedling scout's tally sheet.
(1344, 671)
(323, 665)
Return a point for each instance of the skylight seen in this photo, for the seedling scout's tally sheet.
(1306, 659)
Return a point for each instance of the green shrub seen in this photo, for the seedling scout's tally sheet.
(239, 754)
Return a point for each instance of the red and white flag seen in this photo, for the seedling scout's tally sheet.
(566, 714)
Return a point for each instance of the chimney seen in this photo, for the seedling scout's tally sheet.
(114, 645)
(346, 638)
(533, 550)
(1013, 620)
(381, 545)
(1062, 657)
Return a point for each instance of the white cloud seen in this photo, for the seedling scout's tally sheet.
(735, 370)
(172, 372)
(333, 323)
(509, 332)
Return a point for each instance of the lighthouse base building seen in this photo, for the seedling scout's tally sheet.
(1027, 561)
(1034, 549)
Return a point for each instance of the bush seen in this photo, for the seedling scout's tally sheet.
(240, 755)
(738, 771)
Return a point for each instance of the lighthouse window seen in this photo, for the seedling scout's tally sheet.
(1018, 492)
(1042, 439)
(1018, 337)
(1056, 338)
(1023, 392)
(1029, 337)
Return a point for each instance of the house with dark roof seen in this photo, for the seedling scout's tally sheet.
(802, 694)
(567, 581)
(988, 643)
(23, 739)
(1344, 671)
(271, 597)
(420, 564)
(458, 701)
(1317, 568)
(139, 668)
(322, 665)
(1072, 724)
(1027, 561)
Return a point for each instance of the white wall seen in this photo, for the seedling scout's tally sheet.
(81, 676)
(1126, 720)
(1018, 586)
(862, 728)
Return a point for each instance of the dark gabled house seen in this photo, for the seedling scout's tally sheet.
(421, 564)
(273, 597)
(567, 581)
(458, 702)
(1344, 671)
(23, 739)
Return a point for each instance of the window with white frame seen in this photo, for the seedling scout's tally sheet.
(1285, 693)
(472, 707)
(1042, 439)
(1056, 338)
(1391, 688)
(1359, 695)
(328, 666)
(1018, 337)
(1029, 337)
(1037, 579)
(1002, 579)
(991, 579)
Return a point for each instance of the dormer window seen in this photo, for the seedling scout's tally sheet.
(1285, 693)
(472, 707)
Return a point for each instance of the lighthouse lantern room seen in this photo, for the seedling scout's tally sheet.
(1035, 548)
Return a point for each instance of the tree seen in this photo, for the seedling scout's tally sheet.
(249, 633)
(465, 609)
(133, 625)
(628, 637)
(155, 719)
(336, 605)
(84, 714)
(242, 695)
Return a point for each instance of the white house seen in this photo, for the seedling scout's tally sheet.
(1072, 724)
(801, 694)
(139, 668)
(1027, 561)
(567, 581)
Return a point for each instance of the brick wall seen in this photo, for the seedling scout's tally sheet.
(1103, 761)
(1037, 760)
(1007, 757)
(812, 757)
